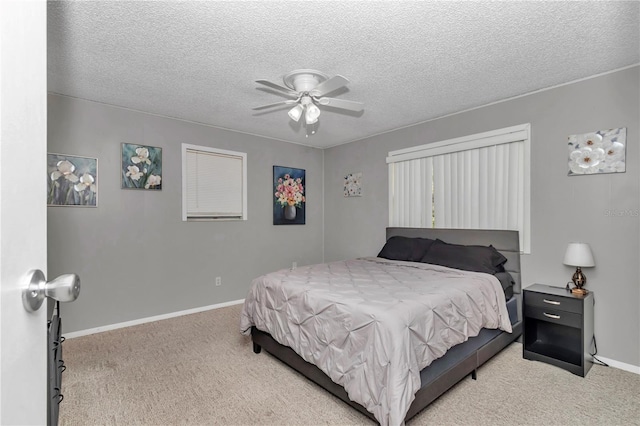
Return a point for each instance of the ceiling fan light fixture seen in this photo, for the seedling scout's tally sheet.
(312, 114)
(309, 87)
(296, 112)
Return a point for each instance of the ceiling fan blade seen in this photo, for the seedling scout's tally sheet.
(279, 88)
(342, 104)
(329, 85)
(288, 102)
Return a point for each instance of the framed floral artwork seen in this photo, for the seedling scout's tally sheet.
(598, 152)
(141, 167)
(289, 196)
(353, 185)
(72, 180)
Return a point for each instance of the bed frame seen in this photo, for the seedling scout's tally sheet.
(506, 242)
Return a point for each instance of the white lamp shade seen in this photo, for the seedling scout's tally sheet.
(312, 114)
(296, 112)
(579, 254)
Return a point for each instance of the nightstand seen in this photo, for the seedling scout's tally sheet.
(558, 327)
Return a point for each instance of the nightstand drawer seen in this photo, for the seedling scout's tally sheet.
(554, 316)
(550, 301)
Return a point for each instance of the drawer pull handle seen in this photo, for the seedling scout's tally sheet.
(551, 302)
(551, 315)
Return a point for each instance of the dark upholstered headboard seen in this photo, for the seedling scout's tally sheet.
(506, 242)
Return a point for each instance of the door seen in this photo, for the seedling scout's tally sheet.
(23, 211)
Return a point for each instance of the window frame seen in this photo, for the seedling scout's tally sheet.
(206, 149)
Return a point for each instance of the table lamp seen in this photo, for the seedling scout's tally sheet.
(580, 256)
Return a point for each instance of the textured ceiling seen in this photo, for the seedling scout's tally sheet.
(407, 61)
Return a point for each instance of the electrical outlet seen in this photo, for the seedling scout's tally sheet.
(218, 281)
(294, 265)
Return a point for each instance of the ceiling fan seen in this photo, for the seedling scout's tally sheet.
(307, 88)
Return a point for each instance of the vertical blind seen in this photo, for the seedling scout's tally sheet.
(476, 182)
(214, 185)
(479, 188)
(412, 189)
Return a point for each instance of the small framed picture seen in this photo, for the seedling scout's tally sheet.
(141, 167)
(353, 185)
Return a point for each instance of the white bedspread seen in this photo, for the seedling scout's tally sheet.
(372, 324)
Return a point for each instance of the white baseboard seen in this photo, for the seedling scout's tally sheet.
(150, 319)
(620, 365)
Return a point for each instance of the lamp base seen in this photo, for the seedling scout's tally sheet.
(579, 280)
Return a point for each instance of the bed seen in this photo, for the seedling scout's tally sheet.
(385, 378)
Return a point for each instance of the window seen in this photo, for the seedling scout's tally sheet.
(475, 182)
(214, 184)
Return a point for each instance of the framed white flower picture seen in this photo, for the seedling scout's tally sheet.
(72, 180)
(598, 152)
(353, 185)
(141, 167)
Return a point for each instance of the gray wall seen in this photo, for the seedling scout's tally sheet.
(563, 209)
(135, 256)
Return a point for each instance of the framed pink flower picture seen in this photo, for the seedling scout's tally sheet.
(289, 199)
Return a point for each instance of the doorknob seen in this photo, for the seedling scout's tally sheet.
(65, 288)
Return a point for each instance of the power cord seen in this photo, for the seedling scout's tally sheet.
(595, 345)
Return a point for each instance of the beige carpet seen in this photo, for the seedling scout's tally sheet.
(199, 370)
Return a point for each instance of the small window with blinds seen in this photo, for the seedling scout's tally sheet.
(214, 184)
